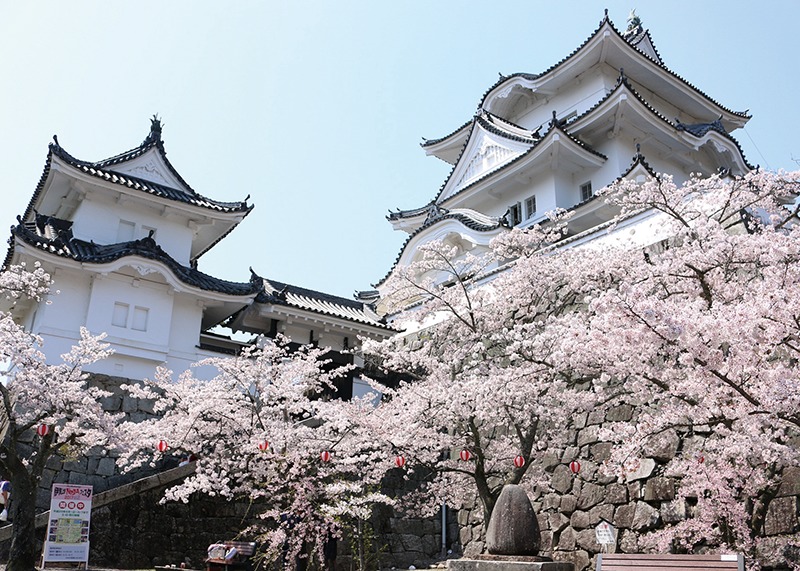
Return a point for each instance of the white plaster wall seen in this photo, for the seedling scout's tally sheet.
(155, 297)
(576, 96)
(98, 219)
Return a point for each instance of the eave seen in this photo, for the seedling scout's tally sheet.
(556, 150)
(607, 46)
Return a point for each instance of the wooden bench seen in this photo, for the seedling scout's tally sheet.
(243, 559)
(669, 562)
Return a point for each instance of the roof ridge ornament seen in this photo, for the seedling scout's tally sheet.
(154, 136)
(634, 25)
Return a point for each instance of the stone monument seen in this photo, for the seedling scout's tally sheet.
(512, 539)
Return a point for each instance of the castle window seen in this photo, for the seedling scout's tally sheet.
(120, 316)
(126, 231)
(140, 315)
(514, 215)
(586, 191)
(530, 207)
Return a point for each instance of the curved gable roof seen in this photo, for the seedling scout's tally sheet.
(606, 26)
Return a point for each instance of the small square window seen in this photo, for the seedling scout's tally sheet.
(586, 191)
(140, 315)
(530, 207)
(120, 315)
(126, 231)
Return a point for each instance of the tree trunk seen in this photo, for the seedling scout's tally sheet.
(23, 554)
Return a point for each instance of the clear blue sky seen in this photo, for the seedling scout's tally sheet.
(317, 109)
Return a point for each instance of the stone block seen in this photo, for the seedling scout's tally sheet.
(543, 519)
(570, 453)
(659, 489)
(616, 494)
(579, 558)
(549, 461)
(588, 436)
(605, 511)
(551, 501)
(580, 520)
(111, 403)
(674, 511)
(628, 541)
(474, 548)
(587, 539)
(790, 482)
(601, 451)
(635, 491)
(78, 465)
(621, 413)
(623, 516)
(644, 470)
(561, 480)
(781, 516)
(482, 564)
(411, 542)
(590, 495)
(579, 420)
(130, 404)
(596, 416)
(567, 540)
(568, 504)
(645, 517)
(557, 521)
(547, 541)
(663, 446)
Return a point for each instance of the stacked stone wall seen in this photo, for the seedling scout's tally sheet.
(569, 506)
(141, 532)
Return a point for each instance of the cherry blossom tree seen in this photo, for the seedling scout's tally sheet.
(36, 394)
(264, 430)
(707, 325)
(695, 323)
(488, 387)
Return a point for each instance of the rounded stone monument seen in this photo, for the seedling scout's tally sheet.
(513, 528)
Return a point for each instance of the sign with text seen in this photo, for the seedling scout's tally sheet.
(605, 533)
(67, 538)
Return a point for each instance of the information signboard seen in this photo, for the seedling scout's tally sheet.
(67, 539)
(605, 533)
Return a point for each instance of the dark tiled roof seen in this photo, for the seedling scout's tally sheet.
(431, 142)
(400, 214)
(280, 293)
(54, 236)
(698, 130)
(188, 197)
(606, 21)
(638, 159)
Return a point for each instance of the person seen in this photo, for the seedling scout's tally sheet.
(329, 550)
(5, 497)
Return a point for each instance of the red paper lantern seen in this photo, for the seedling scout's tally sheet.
(575, 466)
(42, 430)
(519, 461)
(263, 445)
(465, 455)
(162, 446)
(400, 461)
(325, 456)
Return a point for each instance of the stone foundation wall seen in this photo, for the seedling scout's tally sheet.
(141, 532)
(571, 506)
